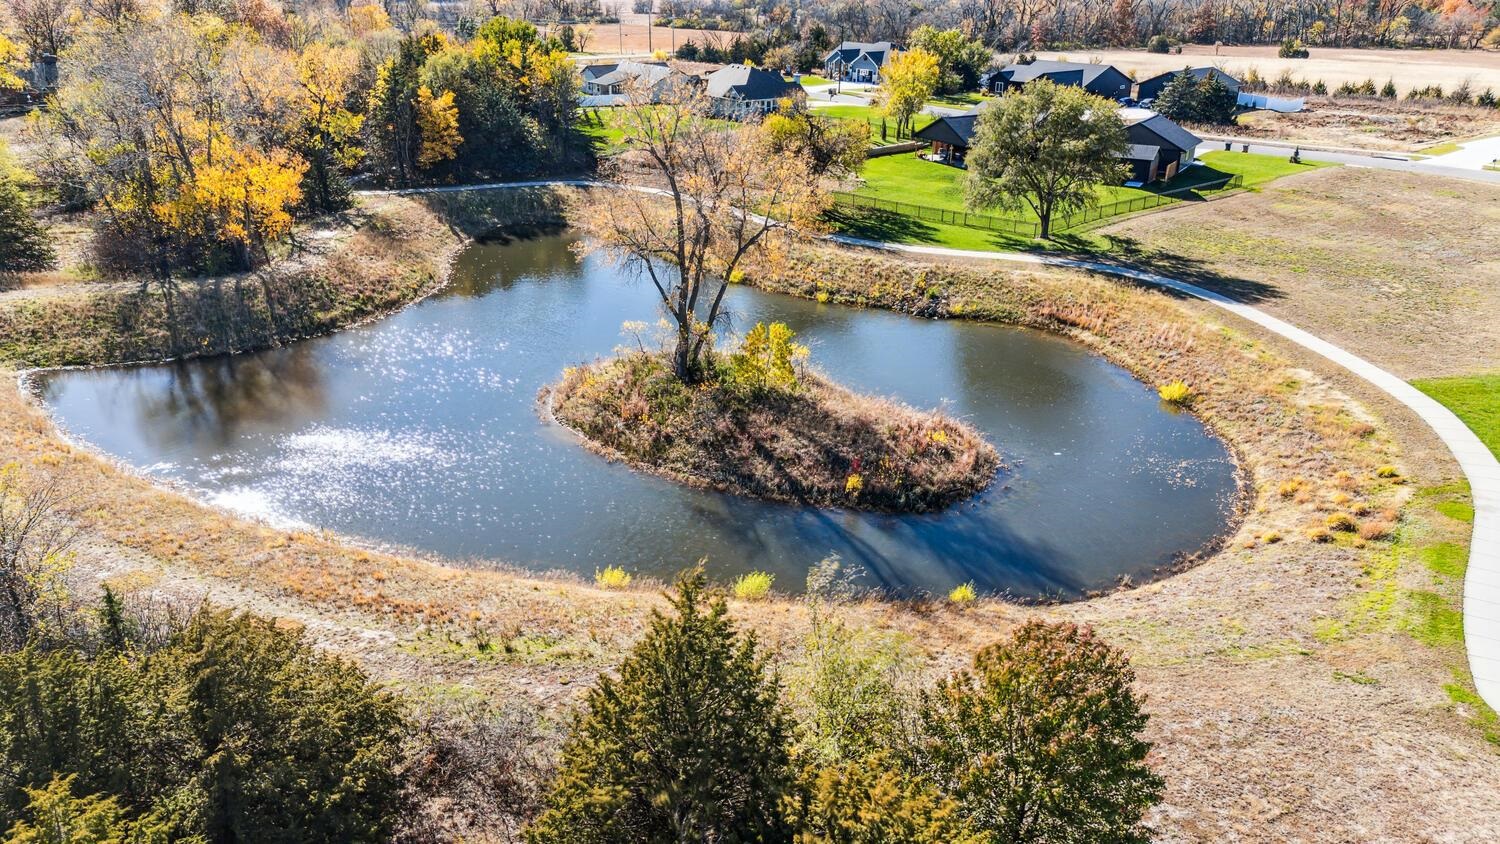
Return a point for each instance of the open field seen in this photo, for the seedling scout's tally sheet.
(1403, 269)
(1410, 68)
(632, 37)
(1369, 123)
(1299, 690)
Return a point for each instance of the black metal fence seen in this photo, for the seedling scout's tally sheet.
(1011, 225)
(930, 214)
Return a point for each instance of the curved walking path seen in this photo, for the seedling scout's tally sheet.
(1482, 581)
(1481, 614)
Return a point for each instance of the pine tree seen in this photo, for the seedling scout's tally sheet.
(690, 743)
(24, 245)
(1179, 100)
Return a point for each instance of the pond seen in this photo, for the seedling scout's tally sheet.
(421, 431)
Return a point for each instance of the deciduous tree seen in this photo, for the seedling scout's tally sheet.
(1045, 147)
(726, 193)
(960, 58)
(906, 84)
(1042, 742)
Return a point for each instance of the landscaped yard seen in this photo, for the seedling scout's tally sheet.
(915, 181)
(870, 117)
(1475, 399)
(812, 80)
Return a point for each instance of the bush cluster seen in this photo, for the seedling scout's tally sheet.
(693, 740)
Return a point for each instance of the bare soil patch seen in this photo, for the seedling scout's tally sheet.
(1401, 268)
(814, 443)
(1368, 123)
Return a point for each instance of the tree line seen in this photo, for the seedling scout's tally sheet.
(1014, 25)
(125, 720)
(197, 133)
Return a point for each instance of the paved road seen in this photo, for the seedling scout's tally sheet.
(1377, 160)
(1481, 614)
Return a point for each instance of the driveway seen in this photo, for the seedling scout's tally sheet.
(1472, 155)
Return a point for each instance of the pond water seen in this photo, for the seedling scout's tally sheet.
(421, 430)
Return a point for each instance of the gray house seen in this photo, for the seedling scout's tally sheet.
(1159, 148)
(857, 61)
(1100, 79)
(1152, 88)
(615, 77)
(739, 91)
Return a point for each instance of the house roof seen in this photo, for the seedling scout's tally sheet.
(1020, 73)
(954, 130)
(847, 52)
(1197, 72)
(590, 72)
(649, 72)
(748, 83)
(1163, 128)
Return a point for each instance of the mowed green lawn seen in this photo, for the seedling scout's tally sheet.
(1474, 399)
(868, 116)
(909, 179)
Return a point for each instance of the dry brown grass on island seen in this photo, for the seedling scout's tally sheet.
(816, 443)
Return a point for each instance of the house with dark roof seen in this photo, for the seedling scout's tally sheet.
(1100, 79)
(739, 91)
(950, 136)
(1158, 149)
(857, 61)
(1152, 88)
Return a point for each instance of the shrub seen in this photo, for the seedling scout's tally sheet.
(1376, 529)
(872, 800)
(612, 577)
(753, 586)
(1292, 48)
(1287, 489)
(1046, 734)
(963, 593)
(1387, 471)
(1270, 537)
(1389, 90)
(237, 729)
(1320, 88)
(1159, 44)
(766, 360)
(1319, 535)
(1176, 393)
(1340, 522)
(689, 742)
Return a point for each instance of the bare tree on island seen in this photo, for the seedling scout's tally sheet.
(721, 191)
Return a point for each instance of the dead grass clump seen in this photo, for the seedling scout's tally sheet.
(1376, 529)
(816, 443)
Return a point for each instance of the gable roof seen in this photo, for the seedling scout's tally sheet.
(849, 51)
(590, 72)
(748, 83)
(1161, 79)
(648, 72)
(954, 130)
(1020, 73)
(1161, 127)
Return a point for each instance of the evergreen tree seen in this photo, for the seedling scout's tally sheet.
(1216, 103)
(1042, 743)
(1179, 99)
(690, 743)
(24, 245)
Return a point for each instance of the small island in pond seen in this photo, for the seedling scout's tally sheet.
(759, 424)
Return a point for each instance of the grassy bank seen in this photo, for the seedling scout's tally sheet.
(379, 256)
(809, 442)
